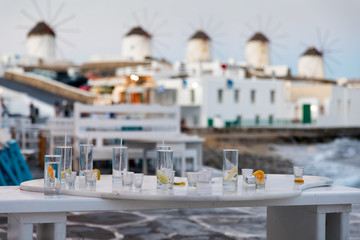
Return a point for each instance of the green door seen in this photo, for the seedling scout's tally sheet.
(306, 114)
(210, 122)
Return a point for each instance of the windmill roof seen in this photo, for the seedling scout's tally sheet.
(312, 51)
(200, 35)
(137, 30)
(258, 36)
(41, 28)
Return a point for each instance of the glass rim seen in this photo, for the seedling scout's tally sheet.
(85, 144)
(164, 150)
(53, 155)
(232, 150)
(64, 147)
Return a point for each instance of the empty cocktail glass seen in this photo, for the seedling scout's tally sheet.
(205, 175)
(193, 178)
(230, 168)
(52, 175)
(90, 179)
(70, 178)
(66, 160)
(246, 173)
(138, 181)
(128, 180)
(298, 172)
(119, 163)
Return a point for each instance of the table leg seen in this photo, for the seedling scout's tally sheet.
(308, 222)
(50, 225)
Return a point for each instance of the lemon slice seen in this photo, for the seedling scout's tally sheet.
(231, 174)
(179, 183)
(62, 174)
(162, 178)
(98, 173)
(299, 180)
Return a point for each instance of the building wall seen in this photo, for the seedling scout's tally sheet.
(247, 107)
(136, 47)
(308, 90)
(41, 46)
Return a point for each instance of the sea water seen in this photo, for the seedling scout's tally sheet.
(338, 160)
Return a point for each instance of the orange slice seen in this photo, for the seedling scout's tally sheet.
(51, 172)
(299, 180)
(259, 175)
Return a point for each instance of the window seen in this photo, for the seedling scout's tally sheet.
(339, 106)
(236, 96)
(271, 119)
(238, 120)
(192, 96)
(272, 96)
(253, 96)
(257, 120)
(220, 96)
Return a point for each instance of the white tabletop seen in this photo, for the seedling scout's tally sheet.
(12, 199)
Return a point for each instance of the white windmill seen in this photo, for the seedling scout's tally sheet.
(198, 48)
(311, 64)
(41, 42)
(136, 45)
(257, 51)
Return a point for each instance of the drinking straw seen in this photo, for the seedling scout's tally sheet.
(65, 140)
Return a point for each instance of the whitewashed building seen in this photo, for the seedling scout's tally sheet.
(136, 45)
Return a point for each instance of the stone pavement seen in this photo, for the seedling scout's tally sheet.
(200, 224)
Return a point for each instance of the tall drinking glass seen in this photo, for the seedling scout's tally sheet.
(164, 168)
(52, 176)
(66, 160)
(230, 168)
(119, 163)
(85, 161)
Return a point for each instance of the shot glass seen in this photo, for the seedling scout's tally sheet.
(260, 183)
(205, 175)
(246, 173)
(138, 181)
(128, 180)
(119, 163)
(66, 160)
(70, 178)
(230, 168)
(298, 172)
(85, 159)
(90, 179)
(52, 175)
(164, 168)
(193, 178)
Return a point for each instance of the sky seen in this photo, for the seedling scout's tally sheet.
(99, 25)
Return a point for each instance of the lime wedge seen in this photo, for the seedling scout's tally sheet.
(162, 178)
(231, 174)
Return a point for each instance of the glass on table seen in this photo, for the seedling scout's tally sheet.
(164, 168)
(230, 168)
(119, 163)
(138, 181)
(70, 178)
(128, 180)
(246, 173)
(52, 175)
(66, 160)
(298, 172)
(193, 178)
(205, 175)
(90, 179)
(261, 183)
(85, 159)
